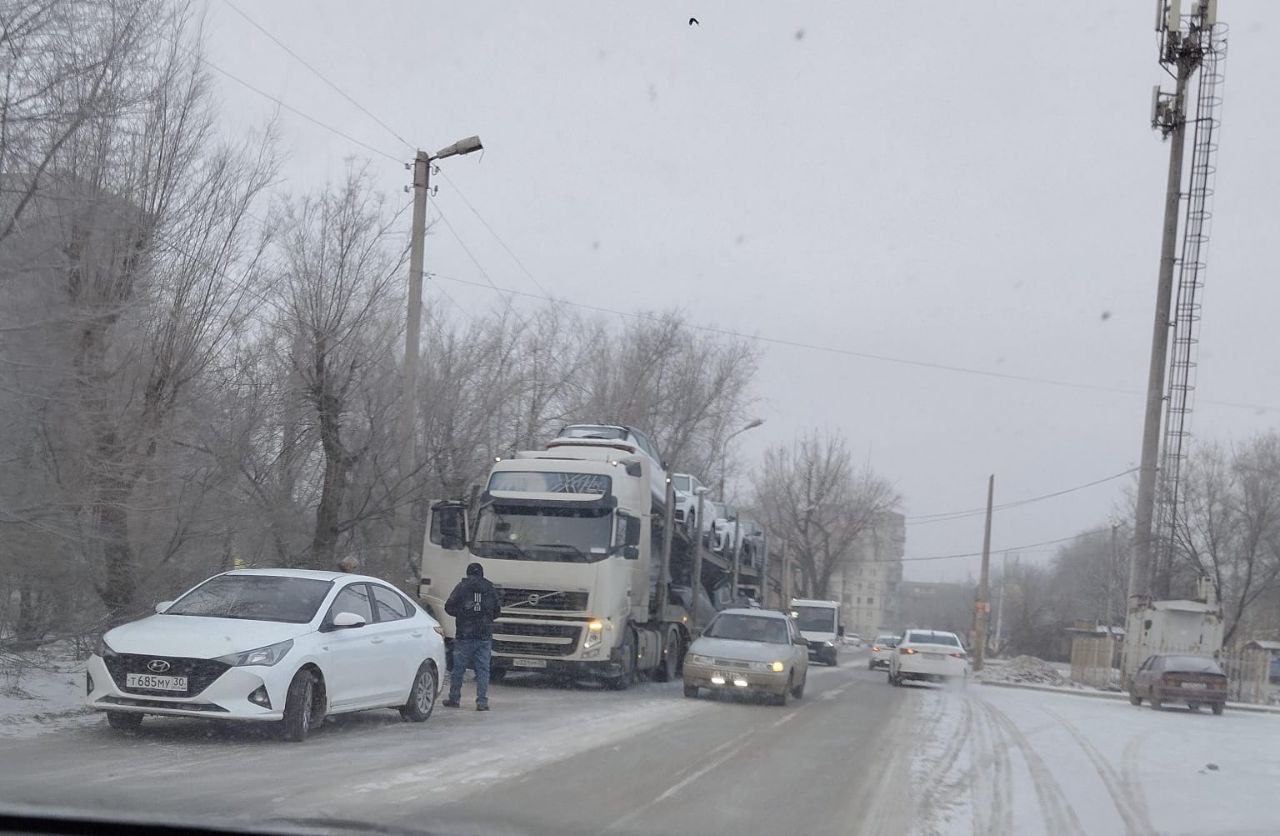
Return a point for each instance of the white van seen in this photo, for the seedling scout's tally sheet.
(819, 623)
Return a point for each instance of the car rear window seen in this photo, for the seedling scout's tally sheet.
(612, 433)
(933, 638)
(1190, 664)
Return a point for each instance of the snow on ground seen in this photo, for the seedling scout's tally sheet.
(1027, 670)
(39, 690)
(1004, 760)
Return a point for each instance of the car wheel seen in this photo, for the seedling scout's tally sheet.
(833, 658)
(893, 680)
(422, 695)
(871, 665)
(628, 655)
(798, 693)
(1134, 699)
(1156, 702)
(300, 706)
(123, 720)
(1193, 706)
(691, 691)
(670, 661)
(1218, 708)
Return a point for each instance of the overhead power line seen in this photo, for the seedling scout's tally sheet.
(318, 74)
(1010, 549)
(925, 519)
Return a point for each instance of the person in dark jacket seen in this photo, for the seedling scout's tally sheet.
(474, 605)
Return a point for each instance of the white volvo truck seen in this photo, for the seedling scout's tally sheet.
(573, 539)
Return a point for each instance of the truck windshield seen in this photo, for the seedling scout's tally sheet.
(565, 535)
(815, 619)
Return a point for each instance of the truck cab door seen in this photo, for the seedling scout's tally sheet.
(444, 553)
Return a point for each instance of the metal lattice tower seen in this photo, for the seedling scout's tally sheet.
(1205, 41)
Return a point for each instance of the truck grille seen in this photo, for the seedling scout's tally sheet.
(554, 600)
(524, 639)
(200, 673)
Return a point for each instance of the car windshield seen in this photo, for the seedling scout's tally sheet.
(748, 628)
(815, 619)
(567, 535)
(918, 637)
(682, 483)
(254, 598)
(1189, 664)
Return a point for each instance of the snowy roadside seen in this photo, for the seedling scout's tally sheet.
(1003, 760)
(41, 690)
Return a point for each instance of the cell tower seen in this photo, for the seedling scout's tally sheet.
(1190, 43)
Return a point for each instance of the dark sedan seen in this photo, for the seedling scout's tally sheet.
(1194, 680)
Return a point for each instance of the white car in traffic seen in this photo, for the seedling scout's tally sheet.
(882, 650)
(285, 645)
(929, 656)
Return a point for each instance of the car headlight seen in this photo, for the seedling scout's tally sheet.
(103, 649)
(700, 660)
(828, 644)
(595, 634)
(776, 667)
(266, 656)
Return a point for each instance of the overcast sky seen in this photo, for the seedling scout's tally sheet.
(968, 184)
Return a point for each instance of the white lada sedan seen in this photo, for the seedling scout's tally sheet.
(284, 645)
(928, 655)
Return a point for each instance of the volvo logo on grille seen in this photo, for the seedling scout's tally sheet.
(158, 666)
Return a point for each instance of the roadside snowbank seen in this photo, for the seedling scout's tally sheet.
(1026, 670)
(40, 689)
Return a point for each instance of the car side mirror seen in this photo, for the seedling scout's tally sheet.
(801, 640)
(163, 607)
(348, 620)
(630, 553)
(631, 536)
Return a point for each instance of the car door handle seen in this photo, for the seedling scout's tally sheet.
(377, 640)
(419, 634)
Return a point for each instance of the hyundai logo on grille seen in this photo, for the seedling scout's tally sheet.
(534, 599)
(158, 666)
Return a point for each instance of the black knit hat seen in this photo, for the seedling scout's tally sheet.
(475, 570)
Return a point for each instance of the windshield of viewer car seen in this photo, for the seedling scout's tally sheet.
(748, 628)
(254, 598)
(541, 533)
(816, 619)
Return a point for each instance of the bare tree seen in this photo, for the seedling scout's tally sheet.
(811, 495)
(1228, 526)
(338, 283)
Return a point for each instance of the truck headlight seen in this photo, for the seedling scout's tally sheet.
(595, 634)
(266, 656)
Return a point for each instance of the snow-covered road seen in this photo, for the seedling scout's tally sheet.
(998, 760)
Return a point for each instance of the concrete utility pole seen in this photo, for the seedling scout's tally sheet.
(737, 551)
(1142, 563)
(408, 462)
(983, 606)
(785, 565)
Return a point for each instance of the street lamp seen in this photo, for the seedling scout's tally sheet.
(724, 449)
(413, 322)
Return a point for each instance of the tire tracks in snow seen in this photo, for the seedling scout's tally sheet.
(946, 781)
(1126, 796)
(992, 777)
(1059, 817)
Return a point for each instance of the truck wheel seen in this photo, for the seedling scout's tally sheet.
(691, 691)
(627, 653)
(670, 661)
(833, 660)
(123, 720)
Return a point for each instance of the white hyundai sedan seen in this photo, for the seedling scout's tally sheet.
(285, 645)
(929, 656)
